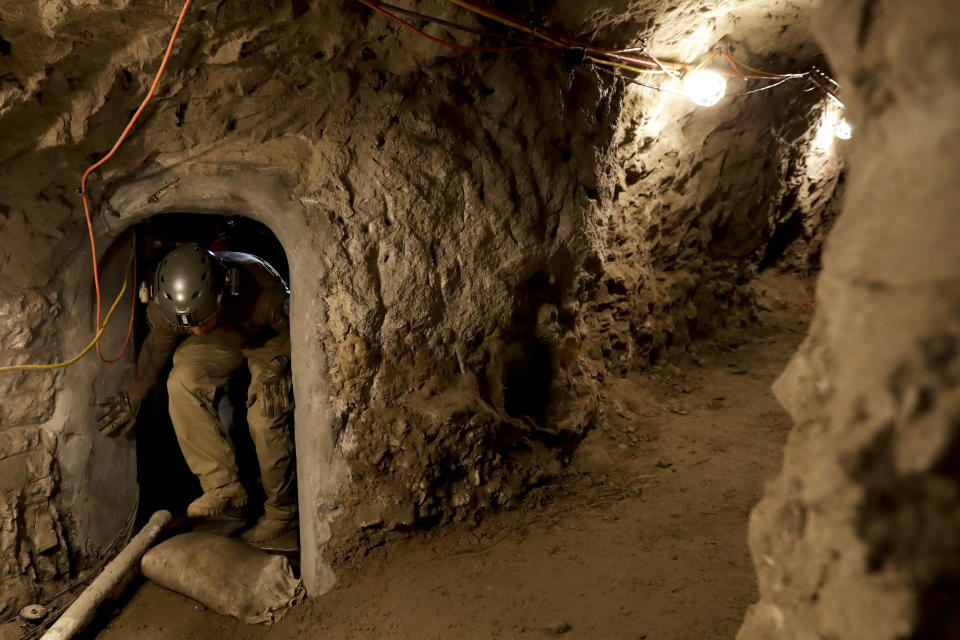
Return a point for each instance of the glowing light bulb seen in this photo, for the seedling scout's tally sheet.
(843, 130)
(704, 88)
(832, 126)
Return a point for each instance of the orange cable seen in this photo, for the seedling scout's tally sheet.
(98, 163)
(733, 64)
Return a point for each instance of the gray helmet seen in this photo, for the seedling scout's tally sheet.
(189, 286)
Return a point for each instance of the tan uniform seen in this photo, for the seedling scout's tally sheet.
(254, 328)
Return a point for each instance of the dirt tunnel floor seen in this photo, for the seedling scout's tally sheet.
(643, 537)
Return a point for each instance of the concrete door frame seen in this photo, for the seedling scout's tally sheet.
(265, 195)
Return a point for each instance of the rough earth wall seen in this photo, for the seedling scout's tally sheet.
(857, 536)
(705, 197)
(691, 227)
(33, 546)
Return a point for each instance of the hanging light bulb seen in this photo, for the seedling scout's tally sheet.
(833, 126)
(843, 130)
(704, 87)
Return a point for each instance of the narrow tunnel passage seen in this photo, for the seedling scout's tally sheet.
(657, 167)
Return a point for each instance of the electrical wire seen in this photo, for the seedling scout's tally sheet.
(607, 57)
(101, 161)
(487, 11)
(613, 58)
(764, 88)
(833, 98)
(452, 45)
(96, 338)
(681, 93)
(671, 72)
(645, 63)
(93, 245)
(756, 73)
(679, 66)
(559, 40)
(642, 84)
(733, 64)
(133, 310)
(453, 25)
(706, 61)
(620, 65)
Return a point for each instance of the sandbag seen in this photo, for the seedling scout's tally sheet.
(225, 575)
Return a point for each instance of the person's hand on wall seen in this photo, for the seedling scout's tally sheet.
(273, 389)
(117, 416)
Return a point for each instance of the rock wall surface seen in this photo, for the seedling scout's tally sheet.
(858, 535)
(33, 543)
(705, 197)
(469, 246)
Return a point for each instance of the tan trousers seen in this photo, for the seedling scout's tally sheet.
(203, 364)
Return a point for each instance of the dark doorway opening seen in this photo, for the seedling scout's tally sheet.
(164, 479)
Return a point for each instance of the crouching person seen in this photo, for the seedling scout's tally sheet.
(215, 312)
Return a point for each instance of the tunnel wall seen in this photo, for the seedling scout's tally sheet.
(33, 542)
(705, 197)
(857, 535)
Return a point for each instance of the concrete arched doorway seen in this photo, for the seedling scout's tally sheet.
(102, 472)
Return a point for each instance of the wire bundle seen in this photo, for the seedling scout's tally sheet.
(638, 60)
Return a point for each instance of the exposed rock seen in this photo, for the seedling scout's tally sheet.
(27, 335)
(690, 223)
(23, 319)
(28, 397)
(33, 543)
(857, 536)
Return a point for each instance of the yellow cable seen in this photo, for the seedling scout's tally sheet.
(621, 65)
(706, 61)
(67, 363)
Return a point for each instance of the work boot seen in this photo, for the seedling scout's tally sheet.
(267, 529)
(215, 501)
